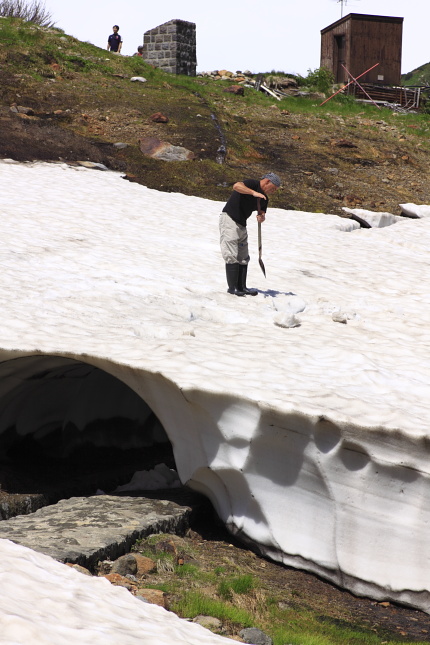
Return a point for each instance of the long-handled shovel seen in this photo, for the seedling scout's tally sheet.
(260, 244)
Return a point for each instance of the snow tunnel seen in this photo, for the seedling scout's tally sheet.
(68, 428)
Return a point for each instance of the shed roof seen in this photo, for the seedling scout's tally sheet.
(362, 16)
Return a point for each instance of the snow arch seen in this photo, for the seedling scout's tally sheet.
(57, 406)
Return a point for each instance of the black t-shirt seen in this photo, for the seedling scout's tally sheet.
(240, 206)
(114, 41)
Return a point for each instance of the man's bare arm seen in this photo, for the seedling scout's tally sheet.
(240, 187)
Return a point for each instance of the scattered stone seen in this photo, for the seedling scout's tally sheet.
(19, 504)
(120, 145)
(154, 596)
(144, 565)
(25, 110)
(126, 564)
(255, 636)
(343, 143)
(79, 568)
(20, 110)
(104, 567)
(166, 546)
(138, 79)
(235, 89)
(93, 165)
(158, 117)
(209, 622)
(153, 147)
(120, 581)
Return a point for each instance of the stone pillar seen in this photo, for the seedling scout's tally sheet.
(172, 47)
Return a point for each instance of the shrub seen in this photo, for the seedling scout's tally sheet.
(33, 11)
(320, 79)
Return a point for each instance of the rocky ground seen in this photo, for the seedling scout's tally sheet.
(81, 102)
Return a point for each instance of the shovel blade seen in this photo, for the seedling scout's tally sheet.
(260, 261)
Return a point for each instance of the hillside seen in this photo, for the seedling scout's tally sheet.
(418, 76)
(81, 102)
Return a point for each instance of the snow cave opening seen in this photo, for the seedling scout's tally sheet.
(69, 429)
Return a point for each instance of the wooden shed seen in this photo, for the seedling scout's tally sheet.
(358, 41)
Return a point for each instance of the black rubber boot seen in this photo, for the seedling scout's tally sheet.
(243, 270)
(232, 273)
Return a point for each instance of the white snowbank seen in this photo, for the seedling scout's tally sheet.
(159, 477)
(376, 220)
(44, 602)
(416, 210)
(311, 439)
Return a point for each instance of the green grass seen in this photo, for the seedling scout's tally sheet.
(239, 585)
(194, 603)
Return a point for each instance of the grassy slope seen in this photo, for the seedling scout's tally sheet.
(84, 101)
(418, 76)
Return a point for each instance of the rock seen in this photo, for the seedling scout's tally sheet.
(343, 143)
(144, 565)
(124, 565)
(93, 165)
(158, 117)
(255, 636)
(138, 79)
(153, 147)
(235, 89)
(25, 110)
(90, 529)
(79, 568)
(104, 567)
(18, 504)
(209, 622)
(224, 72)
(166, 546)
(120, 581)
(120, 145)
(154, 596)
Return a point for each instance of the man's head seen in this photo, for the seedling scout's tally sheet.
(270, 182)
(115, 29)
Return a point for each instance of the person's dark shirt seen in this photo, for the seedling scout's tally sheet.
(114, 41)
(240, 206)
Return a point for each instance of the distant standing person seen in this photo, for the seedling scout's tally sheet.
(139, 51)
(115, 41)
(232, 225)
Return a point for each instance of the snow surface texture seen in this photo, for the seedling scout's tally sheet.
(310, 436)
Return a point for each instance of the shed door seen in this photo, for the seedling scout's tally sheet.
(340, 57)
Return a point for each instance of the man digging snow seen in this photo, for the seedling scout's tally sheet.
(247, 196)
